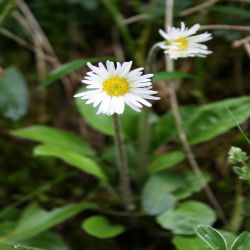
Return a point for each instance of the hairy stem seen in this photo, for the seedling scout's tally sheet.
(123, 166)
(145, 126)
(179, 123)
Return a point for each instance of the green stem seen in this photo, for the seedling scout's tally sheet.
(144, 140)
(180, 126)
(123, 166)
(237, 218)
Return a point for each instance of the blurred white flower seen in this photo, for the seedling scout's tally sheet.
(114, 86)
(181, 42)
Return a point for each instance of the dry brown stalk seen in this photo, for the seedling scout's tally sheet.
(199, 7)
(225, 27)
(179, 123)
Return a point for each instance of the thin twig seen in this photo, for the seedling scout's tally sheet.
(243, 42)
(242, 1)
(145, 125)
(247, 48)
(179, 123)
(199, 7)
(136, 18)
(240, 42)
(123, 166)
(225, 27)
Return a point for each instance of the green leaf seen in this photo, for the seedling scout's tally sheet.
(67, 68)
(164, 130)
(237, 124)
(157, 196)
(160, 76)
(165, 161)
(185, 243)
(36, 220)
(203, 123)
(48, 240)
(6, 227)
(186, 216)
(242, 242)
(156, 203)
(162, 190)
(55, 137)
(100, 227)
(212, 237)
(212, 119)
(72, 158)
(17, 247)
(14, 96)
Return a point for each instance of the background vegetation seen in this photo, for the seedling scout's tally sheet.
(58, 169)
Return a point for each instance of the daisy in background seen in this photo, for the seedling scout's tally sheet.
(112, 86)
(181, 42)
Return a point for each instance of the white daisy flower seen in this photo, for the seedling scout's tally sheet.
(180, 42)
(114, 86)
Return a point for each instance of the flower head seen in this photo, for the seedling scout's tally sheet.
(237, 155)
(112, 86)
(181, 42)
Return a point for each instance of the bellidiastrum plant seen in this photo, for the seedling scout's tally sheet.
(139, 181)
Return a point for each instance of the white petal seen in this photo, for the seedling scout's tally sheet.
(163, 34)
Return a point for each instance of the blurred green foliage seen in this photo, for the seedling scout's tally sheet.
(37, 84)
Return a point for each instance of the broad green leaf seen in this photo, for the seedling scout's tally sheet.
(165, 161)
(212, 237)
(239, 128)
(36, 220)
(228, 236)
(55, 137)
(48, 240)
(186, 216)
(14, 96)
(17, 247)
(101, 227)
(164, 130)
(192, 243)
(72, 158)
(67, 68)
(212, 119)
(156, 196)
(203, 123)
(160, 76)
(232, 10)
(156, 202)
(6, 227)
(161, 191)
(242, 242)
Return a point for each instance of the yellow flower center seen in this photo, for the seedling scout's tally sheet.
(116, 86)
(183, 43)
